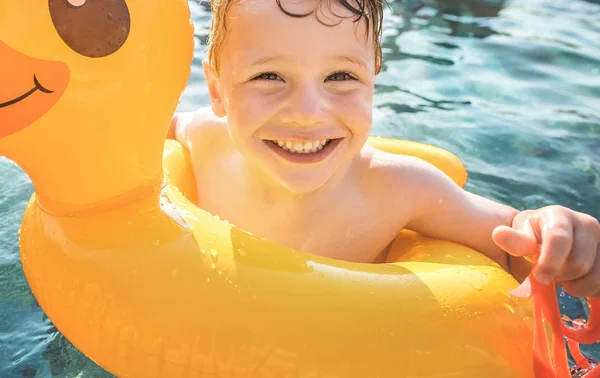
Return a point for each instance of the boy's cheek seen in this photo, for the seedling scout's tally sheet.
(360, 106)
(249, 116)
(257, 106)
(362, 97)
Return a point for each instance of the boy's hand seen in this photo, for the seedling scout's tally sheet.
(568, 246)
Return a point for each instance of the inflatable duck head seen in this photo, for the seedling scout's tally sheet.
(87, 90)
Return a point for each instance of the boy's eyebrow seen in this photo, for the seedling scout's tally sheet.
(339, 58)
(269, 59)
(354, 60)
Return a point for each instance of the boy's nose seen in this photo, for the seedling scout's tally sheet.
(304, 106)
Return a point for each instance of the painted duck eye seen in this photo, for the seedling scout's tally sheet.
(93, 28)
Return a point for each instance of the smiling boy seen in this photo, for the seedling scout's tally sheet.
(281, 151)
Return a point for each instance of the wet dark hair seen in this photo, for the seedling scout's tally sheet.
(371, 11)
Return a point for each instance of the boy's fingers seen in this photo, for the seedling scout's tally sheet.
(523, 290)
(556, 230)
(588, 285)
(516, 242)
(581, 258)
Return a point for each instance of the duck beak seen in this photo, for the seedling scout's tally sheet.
(29, 88)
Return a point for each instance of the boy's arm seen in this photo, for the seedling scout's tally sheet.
(444, 210)
(195, 127)
(567, 241)
(178, 125)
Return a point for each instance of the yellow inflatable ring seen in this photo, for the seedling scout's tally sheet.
(148, 285)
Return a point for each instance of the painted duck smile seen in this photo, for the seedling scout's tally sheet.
(19, 105)
(38, 86)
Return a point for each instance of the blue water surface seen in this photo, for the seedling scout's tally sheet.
(511, 87)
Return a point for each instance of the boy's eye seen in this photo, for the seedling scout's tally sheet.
(267, 76)
(340, 76)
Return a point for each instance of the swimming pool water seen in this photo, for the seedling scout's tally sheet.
(511, 87)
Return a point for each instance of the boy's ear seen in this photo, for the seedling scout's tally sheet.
(214, 89)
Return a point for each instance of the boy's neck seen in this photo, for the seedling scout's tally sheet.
(262, 188)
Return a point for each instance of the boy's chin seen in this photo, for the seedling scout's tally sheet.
(304, 188)
(303, 185)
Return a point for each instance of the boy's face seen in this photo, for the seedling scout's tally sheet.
(297, 93)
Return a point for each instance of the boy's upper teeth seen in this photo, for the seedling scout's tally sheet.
(302, 146)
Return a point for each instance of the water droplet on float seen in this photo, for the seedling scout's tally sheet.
(241, 252)
(471, 267)
(220, 272)
(510, 308)
(175, 272)
(213, 266)
(214, 254)
(203, 251)
(208, 279)
(214, 232)
(156, 243)
(254, 296)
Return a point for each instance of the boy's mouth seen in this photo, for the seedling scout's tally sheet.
(303, 151)
(302, 147)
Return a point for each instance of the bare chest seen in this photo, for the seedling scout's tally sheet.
(350, 227)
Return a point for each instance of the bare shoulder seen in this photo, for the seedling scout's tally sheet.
(200, 129)
(406, 181)
(393, 168)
